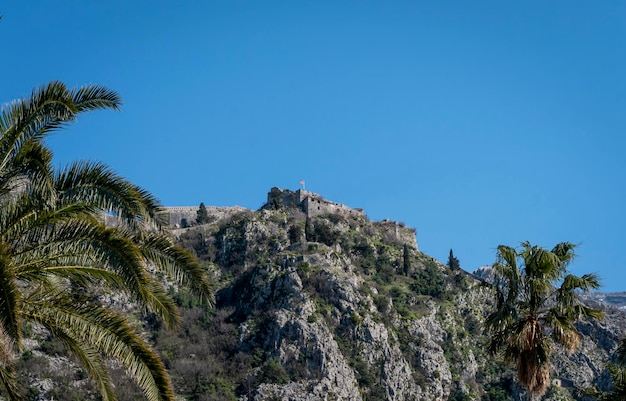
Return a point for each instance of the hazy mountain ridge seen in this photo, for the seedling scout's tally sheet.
(615, 299)
(336, 307)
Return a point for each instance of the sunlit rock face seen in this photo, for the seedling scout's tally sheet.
(332, 306)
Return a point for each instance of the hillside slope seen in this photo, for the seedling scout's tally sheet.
(337, 307)
(333, 306)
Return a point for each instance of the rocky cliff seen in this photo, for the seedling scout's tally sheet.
(338, 307)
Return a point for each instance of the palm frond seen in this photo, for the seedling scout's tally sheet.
(617, 391)
(96, 184)
(27, 222)
(48, 108)
(9, 298)
(108, 332)
(90, 360)
(158, 301)
(8, 382)
(178, 264)
(542, 264)
(60, 246)
(19, 211)
(582, 312)
(586, 282)
(92, 97)
(56, 252)
(82, 275)
(8, 378)
(111, 249)
(508, 256)
(28, 171)
(564, 251)
(563, 330)
(531, 312)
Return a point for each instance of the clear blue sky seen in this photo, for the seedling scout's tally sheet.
(478, 123)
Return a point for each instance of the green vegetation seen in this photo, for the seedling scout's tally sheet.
(617, 372)
(202, 214)
(404, 284)
(350, 273)
(406, 260)
(453, 262)
(273, 372)
(319, 230)
(57, 256)
(430, 281)
(295, 233)
(531, 312)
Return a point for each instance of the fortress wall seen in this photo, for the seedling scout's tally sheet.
(398, 233)
(310, 203)
(283, 197)
(185, 216)
(180, 216)
(314, 205)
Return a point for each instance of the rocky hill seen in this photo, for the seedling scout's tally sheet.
(316, 302)
(611, 299)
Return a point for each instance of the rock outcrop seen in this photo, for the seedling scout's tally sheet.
(333, 306)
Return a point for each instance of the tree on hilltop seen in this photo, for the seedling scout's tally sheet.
(406, 260)
(536, 307)
(453, 262)
(202, 214)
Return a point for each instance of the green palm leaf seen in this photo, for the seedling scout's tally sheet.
(175, 262)
(532, 313)
(108, 332)
(9, 298)
(48, 108)
(95, 184)
(56, 253)
(8, 381)
(91, 360)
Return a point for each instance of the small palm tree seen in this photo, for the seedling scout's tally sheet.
(536, 307)
(57, 255)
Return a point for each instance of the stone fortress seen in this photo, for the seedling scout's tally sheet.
(313, 205)
(310, 203)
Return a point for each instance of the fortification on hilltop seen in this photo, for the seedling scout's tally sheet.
(180, 216)
(185, 216)
(311, 203)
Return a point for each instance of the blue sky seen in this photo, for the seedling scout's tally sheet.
(478, 123)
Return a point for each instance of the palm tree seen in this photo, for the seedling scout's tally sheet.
(536, 307)
(58, 257)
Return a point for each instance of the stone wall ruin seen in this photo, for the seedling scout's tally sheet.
(311, 203)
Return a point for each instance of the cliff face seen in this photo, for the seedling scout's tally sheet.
(337, 307)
